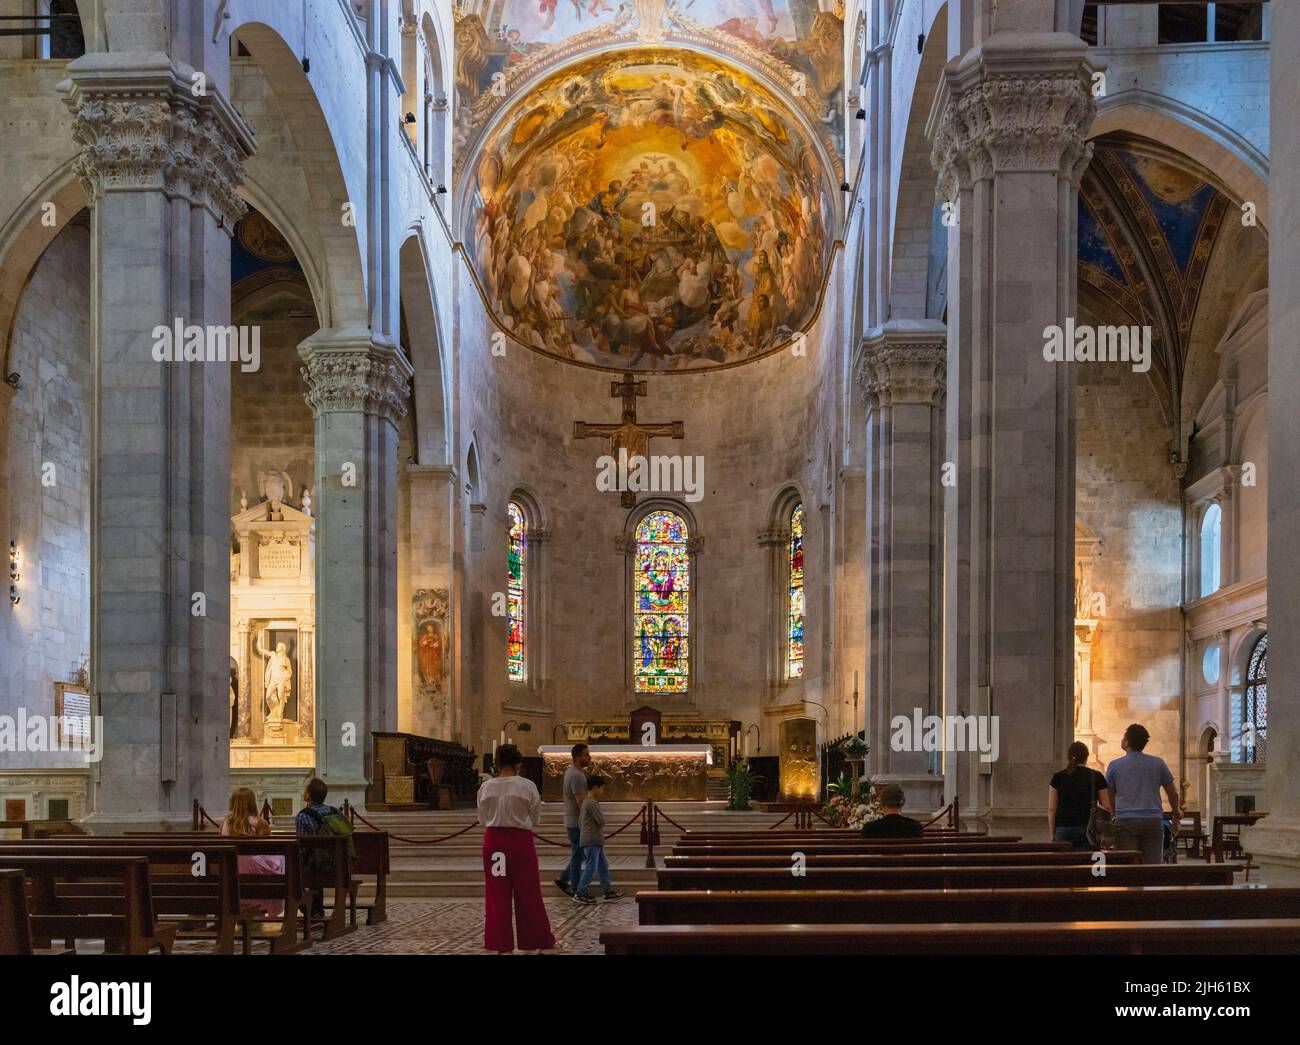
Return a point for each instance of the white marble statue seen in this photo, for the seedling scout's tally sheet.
(278, 681)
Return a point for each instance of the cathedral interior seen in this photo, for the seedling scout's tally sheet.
(391, 382)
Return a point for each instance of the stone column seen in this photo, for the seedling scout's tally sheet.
(432, 505)
(358, 390)
(161, 168)
(6, 535)
(902, 374)
(1010, 146)
(1275, 842)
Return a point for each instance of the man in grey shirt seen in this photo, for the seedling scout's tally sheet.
(575, 789)
(1136, 781)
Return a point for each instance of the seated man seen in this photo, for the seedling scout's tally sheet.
(893, 824)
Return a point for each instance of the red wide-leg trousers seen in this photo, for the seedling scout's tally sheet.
(521, 884)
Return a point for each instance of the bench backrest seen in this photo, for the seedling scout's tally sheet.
(58, 905)
(945, 859)
(725, 849)
(945, 877)
(1097, 903)
(15, 930)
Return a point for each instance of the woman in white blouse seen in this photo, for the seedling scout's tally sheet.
(509, 808)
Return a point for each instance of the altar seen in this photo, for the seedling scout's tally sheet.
(635, 772)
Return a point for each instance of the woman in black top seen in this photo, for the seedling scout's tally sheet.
(1069, 799)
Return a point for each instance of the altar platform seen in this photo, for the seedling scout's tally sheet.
(637, 772)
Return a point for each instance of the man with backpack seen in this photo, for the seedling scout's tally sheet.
(317, 818)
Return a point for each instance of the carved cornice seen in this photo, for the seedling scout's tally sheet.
(143, 129)
(903, 367)
(538, 535)
(1003, 115)
(777, 536)
(356, 375)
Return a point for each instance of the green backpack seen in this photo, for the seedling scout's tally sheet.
(320, 861)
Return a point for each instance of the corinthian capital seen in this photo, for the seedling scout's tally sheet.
(905, 361)
(355, 373)
(140, 126)
(1011, 108)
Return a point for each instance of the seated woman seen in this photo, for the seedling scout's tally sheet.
(243, 822)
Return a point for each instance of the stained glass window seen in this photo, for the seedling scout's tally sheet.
(795, 653)
(661, 590)
(517, 579)
(1254, 730)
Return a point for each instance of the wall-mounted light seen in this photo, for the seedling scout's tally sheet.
(442, 190)
(13, 560)
(844, 187)
(410, 117)
(14, 381)
(862, 114)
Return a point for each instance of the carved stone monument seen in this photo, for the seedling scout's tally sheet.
(272, 633)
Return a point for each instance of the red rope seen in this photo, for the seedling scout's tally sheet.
(660, 812)
(638, 815)
(204, 813)
(942, 812)
(444, 838)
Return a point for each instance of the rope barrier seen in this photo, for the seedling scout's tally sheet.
(660, 812)
(945, 811)
(444, 838)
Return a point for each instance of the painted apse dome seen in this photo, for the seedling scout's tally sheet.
(652, 210)
(650, 185)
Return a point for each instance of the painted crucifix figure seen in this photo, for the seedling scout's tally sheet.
(629, 435)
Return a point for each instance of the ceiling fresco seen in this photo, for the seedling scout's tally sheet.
(1147, 230)
(797, 45)
(651, 210)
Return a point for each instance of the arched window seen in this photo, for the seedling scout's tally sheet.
(794, 653)
(516, 582)
(1211, 536)
(1254, 708)
(661, 593)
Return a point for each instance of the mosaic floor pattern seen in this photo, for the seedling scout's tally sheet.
(455, 926)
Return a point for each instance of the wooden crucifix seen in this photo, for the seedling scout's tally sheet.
(629, 435)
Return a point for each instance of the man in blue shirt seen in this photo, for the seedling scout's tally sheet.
(1136, 781)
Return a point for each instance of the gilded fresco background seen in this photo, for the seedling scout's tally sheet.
(659, 211)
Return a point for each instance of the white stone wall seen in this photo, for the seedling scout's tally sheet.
(48, 633)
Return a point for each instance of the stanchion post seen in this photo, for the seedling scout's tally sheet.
(195, 822)
(648, 826)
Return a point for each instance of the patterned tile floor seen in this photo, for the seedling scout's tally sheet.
(456, 927)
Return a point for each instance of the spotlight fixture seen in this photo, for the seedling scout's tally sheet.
(862, 114)
(14, 381)
(306, 65)
(14, 597)
(410, 117)
(920, 44)
(13, 561)
(442, 190)
(844, 187)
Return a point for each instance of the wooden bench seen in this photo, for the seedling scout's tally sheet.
(15, 932)
(745, 878)
(860, 846)
(830, 837)
(945, 859)
(1095, 903)
(339, 880)
(280, 932)
(60, 907)
(372, 859)
(1247, 936)
(178, 895)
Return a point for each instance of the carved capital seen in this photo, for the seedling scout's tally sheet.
(777, 536)
(538, 535)
(357, 374)
(145, 129)
(902, 364)
(1001, 115)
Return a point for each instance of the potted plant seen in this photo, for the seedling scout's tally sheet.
(741, 782)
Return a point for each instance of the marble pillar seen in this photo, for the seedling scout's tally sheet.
(1010, 144)
(1275, 842)
(161, 166)
(358, 390)
(901, 374)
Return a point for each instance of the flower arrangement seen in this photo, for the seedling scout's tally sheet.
(843, 809)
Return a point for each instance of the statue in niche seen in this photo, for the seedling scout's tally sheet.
(277, 680)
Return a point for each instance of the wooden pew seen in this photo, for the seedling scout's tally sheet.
(15, 932)
(830, 837)
(861, 846)
(178, 895)
(920, 906)
(59, 907)
(281, 933)
(372, 859)
(945, 859)
(1246, 936)
(745, 878)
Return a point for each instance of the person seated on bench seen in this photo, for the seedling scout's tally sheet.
(893, 824)
(1070, 797)
(1137, 779)
(243, 822)
(311, 820)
